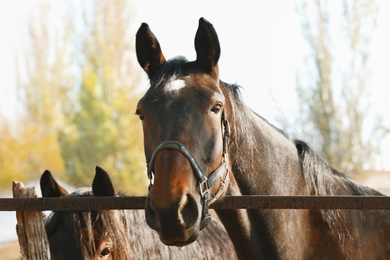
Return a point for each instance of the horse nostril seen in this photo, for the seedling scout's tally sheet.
(188, 211)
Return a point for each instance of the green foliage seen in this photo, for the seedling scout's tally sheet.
(27, 154)
(101, 135)
(90, 138)
(102, 128)
(10, 151)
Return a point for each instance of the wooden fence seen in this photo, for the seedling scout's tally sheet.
(34, 243)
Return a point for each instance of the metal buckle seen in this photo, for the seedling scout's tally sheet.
(204, 187)
(226, 136)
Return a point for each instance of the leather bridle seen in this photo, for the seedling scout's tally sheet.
(205, 183)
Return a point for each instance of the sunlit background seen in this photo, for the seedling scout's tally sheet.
(69, 81)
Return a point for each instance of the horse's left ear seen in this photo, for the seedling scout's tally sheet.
(207, 46)
(148, 50)
(102, 185)
(49, 186)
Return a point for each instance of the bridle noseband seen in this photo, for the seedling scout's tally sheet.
(205, 183)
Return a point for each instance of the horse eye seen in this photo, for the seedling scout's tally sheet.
(216, 108)
(105, 252)
(140, 115)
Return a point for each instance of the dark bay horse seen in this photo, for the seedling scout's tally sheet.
(201, 142)
(119, 234)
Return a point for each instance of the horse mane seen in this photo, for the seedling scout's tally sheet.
(245, 131)
(322, 179)
(245, 125)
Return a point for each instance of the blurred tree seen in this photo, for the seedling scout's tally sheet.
(26, 154)
(10, 154)
(89, 138)
(333, 101)
(103, 129)
(77, 89)
(30, 142)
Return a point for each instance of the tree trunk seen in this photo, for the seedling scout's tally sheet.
(30, 229)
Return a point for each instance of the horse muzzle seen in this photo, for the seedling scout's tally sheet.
(179, 225)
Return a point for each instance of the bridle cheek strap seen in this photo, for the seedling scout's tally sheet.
(205, 183)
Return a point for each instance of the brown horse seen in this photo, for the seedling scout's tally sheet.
(118, 234)
(201, 142)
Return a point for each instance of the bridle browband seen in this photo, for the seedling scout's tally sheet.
(205, 183)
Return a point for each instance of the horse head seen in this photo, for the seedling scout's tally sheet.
(70, 234)
(185, 118)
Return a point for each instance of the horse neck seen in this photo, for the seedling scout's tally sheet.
(262, 155)
(238, 226)
(263, 162)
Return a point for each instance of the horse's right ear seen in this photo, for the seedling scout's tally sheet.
(102, 185)
(148, 49)
(207, 46)
(49, 186)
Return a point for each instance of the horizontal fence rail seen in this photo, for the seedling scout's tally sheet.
(228, 202)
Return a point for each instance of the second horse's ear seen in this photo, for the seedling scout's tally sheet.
(102, 185)
(49, 186)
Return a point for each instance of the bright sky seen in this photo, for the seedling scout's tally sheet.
(261, 41)
(262, 49)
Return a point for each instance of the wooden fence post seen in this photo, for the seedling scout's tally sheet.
(30, 228)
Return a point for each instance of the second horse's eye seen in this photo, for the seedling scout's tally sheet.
(216, 108)
(105, 252)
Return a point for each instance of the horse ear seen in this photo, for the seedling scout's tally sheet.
(49, 186)
(148, 49)
(207, 46)
(102, 185)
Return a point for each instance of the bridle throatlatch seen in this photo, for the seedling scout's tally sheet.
(205, 183)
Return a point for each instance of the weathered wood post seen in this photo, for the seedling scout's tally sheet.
(30, 228)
